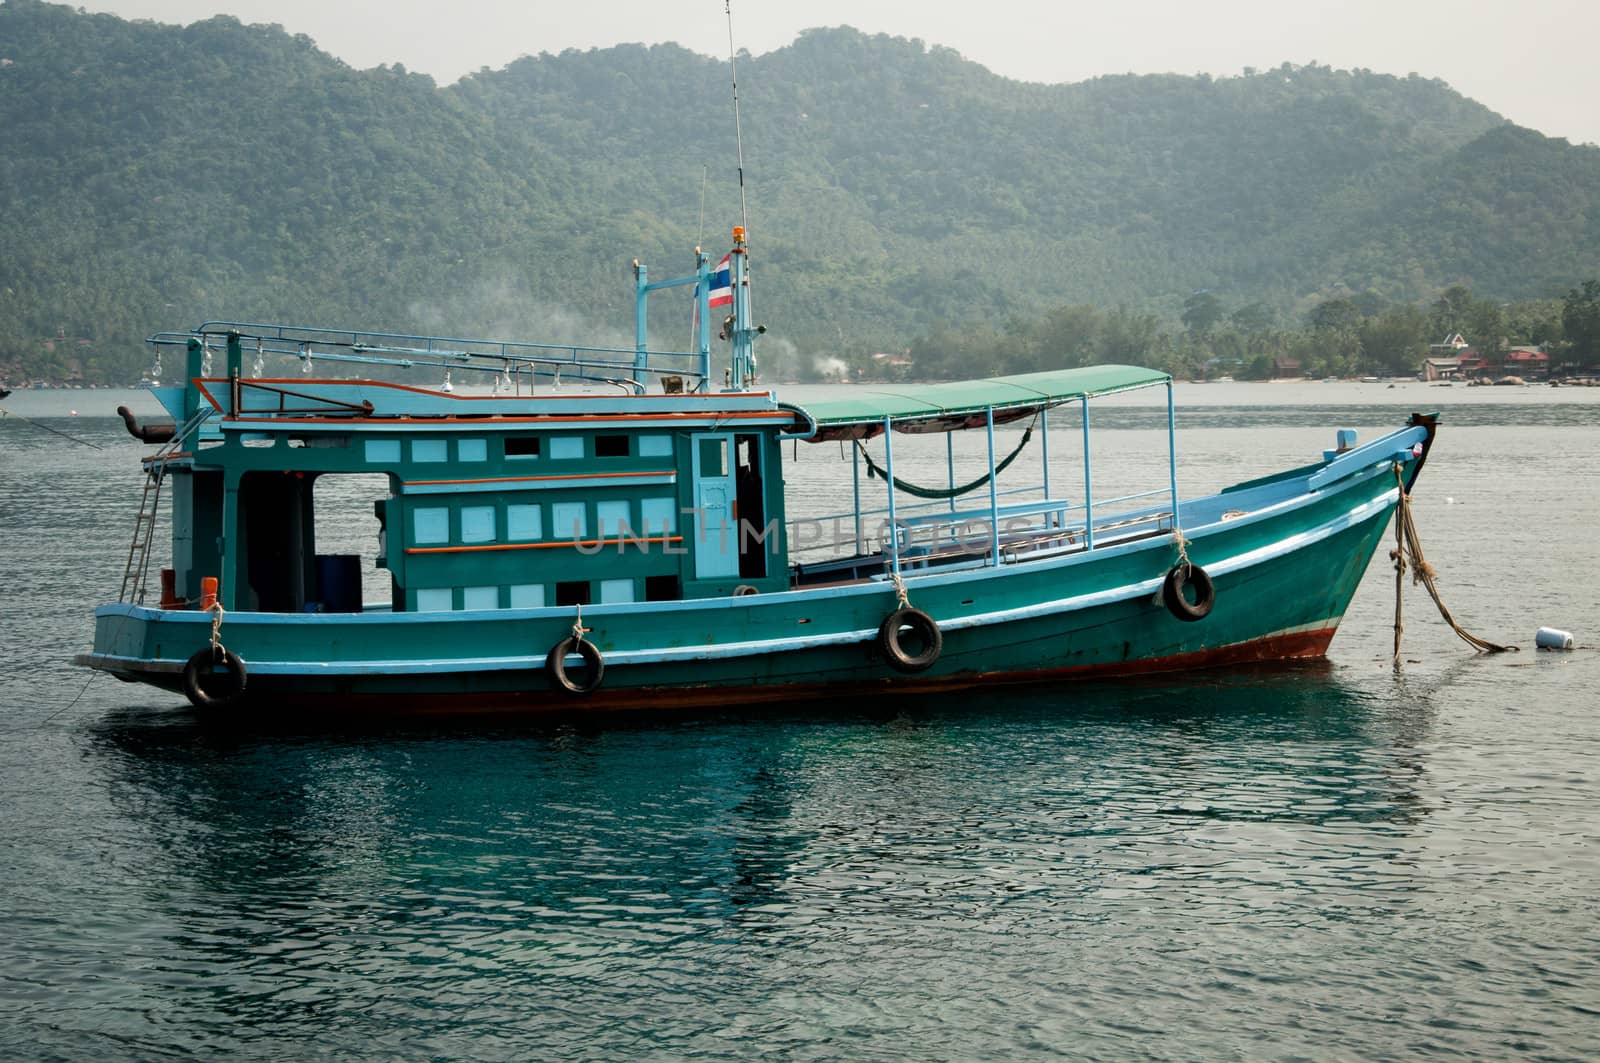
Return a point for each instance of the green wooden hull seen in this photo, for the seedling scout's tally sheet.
(1283, 578)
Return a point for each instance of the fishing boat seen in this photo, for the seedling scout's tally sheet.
(609, 529)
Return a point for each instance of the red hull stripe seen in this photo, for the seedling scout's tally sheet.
(1300, 645)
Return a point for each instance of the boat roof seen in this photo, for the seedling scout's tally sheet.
(965, 403)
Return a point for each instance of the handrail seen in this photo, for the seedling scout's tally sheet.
(405, 351)
(295, 333)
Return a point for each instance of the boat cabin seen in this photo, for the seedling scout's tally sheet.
(480, 502)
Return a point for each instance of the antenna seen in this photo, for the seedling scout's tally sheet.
(741, 274)
(738, 133)
(705, 175)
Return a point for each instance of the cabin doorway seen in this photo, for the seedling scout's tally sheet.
(730, 513)
(750, 507)
(351, 541)
(716, 531)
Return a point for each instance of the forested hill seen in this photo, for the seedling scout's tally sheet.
(156, 176)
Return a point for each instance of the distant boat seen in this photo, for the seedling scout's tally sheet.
(5, 393)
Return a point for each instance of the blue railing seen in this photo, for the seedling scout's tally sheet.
(499, 358)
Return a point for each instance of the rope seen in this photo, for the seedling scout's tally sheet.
(84, 690)
(875, 472)
(1182, 543)
(903, 600)
(216, 627)
(578, 630)
(1408, 552)
(47, 428)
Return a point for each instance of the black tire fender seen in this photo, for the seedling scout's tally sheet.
(203, 666)
(594, 665)
(923, 627)
(1177, 603)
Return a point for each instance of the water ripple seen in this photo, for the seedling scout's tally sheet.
(1335, 860)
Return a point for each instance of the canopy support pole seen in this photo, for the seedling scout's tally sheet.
(894, 528)
(855, 485)
(994, 495)
(1044, 440)
(1088, 483)
(1172, 457)
(950, 465)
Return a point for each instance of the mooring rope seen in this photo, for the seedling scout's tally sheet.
(1182, 542)
(47, 428)
(216, 627)
(1408, 551)
(903, 599)
(578, 630)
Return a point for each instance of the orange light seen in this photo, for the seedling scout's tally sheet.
(738, 234)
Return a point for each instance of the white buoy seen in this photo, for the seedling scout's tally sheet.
(1548, 638)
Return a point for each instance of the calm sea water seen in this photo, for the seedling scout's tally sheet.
(1334, 861)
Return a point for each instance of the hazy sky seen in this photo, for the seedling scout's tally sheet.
(1534, 61)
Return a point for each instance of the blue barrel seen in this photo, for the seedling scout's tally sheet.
(339, 582)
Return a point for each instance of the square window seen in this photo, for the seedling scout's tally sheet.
(611, 446)
(660, 515)
(655, 446)
(661, 589)
(568, 520)
(713, 457)
(614, 518)
(522, 446)
(473, 450)
(480, 597)
(566, 448)
(574, 592)
(523, 524)
(386, 451)
(527, 596)
(477, 524)
(430, 450)
(435, 600)
(616, 590)
(430, 525)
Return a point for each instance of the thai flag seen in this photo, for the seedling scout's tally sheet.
(722, 283)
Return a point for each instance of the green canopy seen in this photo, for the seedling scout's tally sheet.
(860, 412)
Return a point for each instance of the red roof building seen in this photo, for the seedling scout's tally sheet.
(1527, 362)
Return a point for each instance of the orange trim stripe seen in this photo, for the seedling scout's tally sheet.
(602, 543)
(532, 479)
(491, 421)
(299, 380)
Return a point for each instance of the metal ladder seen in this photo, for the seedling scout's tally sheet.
(136, 572)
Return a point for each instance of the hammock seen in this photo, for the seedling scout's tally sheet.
(875, 472)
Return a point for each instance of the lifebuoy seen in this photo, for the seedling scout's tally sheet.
(202, 666)
(1177, 603)
(922, 627)
(594, 666)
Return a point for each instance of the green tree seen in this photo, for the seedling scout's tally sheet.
(1396, 340)
(1451, 310)
(1580, 319)
(1201, 312)
(1335, 314)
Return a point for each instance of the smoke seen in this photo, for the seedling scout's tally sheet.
(830, 367)
(502, 308)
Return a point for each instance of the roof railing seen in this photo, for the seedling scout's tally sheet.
(500, 358)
